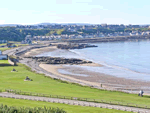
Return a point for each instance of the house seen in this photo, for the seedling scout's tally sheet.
(9, 45)
(3, 57)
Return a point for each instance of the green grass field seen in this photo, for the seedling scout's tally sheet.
(3, 49)
(68, 108)
(18, 44)
(45, 85)
(3, 44)
(4, 62)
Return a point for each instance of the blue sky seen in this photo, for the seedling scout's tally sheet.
(75, 11)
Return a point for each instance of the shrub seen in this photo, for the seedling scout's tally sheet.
(6, 109)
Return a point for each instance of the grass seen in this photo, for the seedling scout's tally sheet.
(3, 49)
(45, 85)
(3, 44)
(18, 45)
(68, 108)
(22, 44)
(4, 62)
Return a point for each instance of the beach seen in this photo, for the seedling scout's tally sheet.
(93, 78)
(38, 51)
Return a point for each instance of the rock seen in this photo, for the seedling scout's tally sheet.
(74, 46)
(58, 60)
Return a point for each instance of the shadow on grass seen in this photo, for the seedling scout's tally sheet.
(2, 65)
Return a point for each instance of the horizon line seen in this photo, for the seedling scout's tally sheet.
(66, 23)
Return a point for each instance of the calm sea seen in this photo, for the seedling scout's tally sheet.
(122, 59)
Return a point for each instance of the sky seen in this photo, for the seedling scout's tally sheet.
(75, 11)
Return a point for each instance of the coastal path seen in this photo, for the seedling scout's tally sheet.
(73, 102)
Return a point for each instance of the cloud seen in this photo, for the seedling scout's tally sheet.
(2, 21)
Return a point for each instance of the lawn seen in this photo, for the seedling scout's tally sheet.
(3, 49)
(4, 62)
(45, 85)
(3, 44)
(68, 108)
(22, 45)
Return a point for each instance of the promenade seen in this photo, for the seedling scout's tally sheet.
(73, 102)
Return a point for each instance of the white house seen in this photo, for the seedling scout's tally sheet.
(3, 57)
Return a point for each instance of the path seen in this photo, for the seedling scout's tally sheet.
(74, 102)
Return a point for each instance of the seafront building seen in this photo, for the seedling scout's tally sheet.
(3, 57)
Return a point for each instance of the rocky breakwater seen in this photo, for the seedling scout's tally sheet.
(59, 60)
(74, 46)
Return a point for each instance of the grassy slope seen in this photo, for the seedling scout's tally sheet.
(4, 62)
(68, 108)
(3, 44)
(3, 49)
(41, 84)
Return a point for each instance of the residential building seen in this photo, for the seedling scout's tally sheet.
(3, 57)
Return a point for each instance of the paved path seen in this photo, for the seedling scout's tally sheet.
(73, 102)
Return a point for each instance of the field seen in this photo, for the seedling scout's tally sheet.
(45, 85)
(3, 49)
(68, 108)
(4, 62)
(3, 44)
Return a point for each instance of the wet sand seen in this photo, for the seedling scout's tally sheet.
(54, 69)
(95, 78)
(92, 78)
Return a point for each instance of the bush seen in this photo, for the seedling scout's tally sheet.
(6, 109)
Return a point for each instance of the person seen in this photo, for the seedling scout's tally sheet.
(141, 93)
(14, 70)
(27, 78)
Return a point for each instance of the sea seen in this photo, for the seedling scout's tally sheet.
(127, 59)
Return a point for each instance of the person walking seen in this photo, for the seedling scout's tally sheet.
(141, 93)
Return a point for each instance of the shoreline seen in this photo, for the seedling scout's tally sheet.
(94, 78)
(53, 69)
(38, 51)
(108, 81)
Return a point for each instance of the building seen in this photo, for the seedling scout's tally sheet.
(3, 57)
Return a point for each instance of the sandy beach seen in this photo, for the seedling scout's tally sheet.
(54, 69)
(92, 78)
(35, 52)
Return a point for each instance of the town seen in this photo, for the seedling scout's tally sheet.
(47, 31)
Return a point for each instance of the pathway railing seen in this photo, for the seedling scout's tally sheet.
(78, 98)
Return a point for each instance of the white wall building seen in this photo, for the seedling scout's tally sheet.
(3, 57)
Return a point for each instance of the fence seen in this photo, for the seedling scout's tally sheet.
(78, 98)
(80, 103)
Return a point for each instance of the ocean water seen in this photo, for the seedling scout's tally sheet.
(133, 55)
(130, 59)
